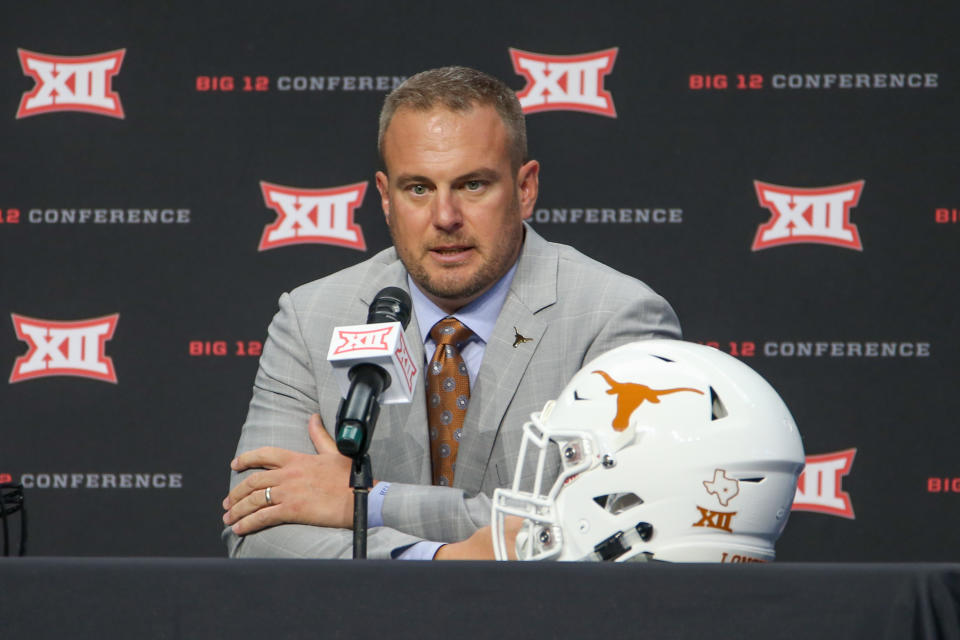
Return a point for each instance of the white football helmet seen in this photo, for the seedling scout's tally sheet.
(669, 451)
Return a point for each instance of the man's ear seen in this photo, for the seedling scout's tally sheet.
(383, 186)
(528, 187)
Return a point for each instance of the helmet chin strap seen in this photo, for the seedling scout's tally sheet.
(623, 541)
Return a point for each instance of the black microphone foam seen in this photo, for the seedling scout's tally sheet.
(391, 304)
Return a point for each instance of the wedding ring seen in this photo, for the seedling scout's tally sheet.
(269, 501)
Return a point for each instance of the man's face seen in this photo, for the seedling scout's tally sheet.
(452, 202)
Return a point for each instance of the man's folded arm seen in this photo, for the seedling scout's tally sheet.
(443, 514)
(284, 398)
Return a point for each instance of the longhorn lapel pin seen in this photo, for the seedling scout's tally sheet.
(519, 339)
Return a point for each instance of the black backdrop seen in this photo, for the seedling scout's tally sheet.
(677, 163)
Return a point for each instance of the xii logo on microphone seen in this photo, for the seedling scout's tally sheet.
(373, 340)
(569, 83)
(71, 83)
(64, 348)
(803, 216)
(381, 344)
(320, 216)
(405, 362)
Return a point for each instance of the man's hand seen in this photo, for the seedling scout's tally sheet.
(304, 488)
(479, 546)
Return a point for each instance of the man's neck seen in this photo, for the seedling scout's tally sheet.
(480, 314)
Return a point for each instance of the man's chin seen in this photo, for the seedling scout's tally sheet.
(452, 292)
(452, 287)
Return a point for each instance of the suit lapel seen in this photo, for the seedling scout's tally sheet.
(534, 287)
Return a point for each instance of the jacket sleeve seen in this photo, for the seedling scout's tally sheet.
(285, 394)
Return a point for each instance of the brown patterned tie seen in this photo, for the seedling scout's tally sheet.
(448, 393)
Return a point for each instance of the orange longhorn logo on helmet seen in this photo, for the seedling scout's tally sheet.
(631, 395)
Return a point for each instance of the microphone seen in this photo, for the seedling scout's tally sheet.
(372, 365)
(391, 304)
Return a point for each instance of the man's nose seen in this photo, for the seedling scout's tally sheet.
(446, 213)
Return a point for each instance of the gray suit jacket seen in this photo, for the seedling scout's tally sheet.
(572, 307)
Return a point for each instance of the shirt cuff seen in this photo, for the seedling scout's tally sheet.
(375, 504)
(424, 550)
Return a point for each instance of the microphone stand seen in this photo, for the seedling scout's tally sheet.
(355, 423)
(359, 411)
(361, 479)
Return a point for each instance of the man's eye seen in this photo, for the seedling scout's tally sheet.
(473, 185)
(418, 189)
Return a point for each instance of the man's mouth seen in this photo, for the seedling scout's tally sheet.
(451, 253)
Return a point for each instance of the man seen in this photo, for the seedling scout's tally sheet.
(455, 192)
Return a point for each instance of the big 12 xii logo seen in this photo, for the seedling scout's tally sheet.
(64, 348)
(71, 83)
(798, 215)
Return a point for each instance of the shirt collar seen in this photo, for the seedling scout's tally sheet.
(480, 315)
